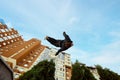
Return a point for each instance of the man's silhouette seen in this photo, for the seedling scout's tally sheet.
(63, 44)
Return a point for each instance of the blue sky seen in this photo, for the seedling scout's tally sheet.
(93, 25)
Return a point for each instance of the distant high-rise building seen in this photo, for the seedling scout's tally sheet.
(62, 63)
(22, 55)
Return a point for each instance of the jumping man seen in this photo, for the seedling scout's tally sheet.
(63, 44)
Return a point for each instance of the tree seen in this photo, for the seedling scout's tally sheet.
(106, 74)
(77, 71)
(88, 75)
(81, 72)
(42, 71)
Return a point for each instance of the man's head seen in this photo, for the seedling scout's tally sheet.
(71, 44)
(68, 44)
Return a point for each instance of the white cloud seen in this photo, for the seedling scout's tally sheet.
(115, 34)
(118, 23)
(78, 54)
(72, 20)
(107, 58)
(27, 36)
(110, 54)
(64, 8)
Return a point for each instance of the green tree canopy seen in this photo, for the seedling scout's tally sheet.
(42, 71)
(106, 74)
(81, 72)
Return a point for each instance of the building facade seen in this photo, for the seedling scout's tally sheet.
(22, 55)
(62, 63)
(94, 71)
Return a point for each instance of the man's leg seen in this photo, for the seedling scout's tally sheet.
(60, 50)
(67, 38)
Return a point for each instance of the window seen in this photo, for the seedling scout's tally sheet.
(67, 72)
(1, 40)
(18, 35)
(36, 52)
(5, 38)
(24, 59)
(26, 47)
(4, 43)
(21, 69)
(12, 33)
(9, 34)
(29, 61)
(17, 38)
(68, 78)
(9, 37)
(32, 58)
(15, 35)
(8, 42)
(25, 65)
(12, 36)
(16, 75)
(60, 69)
(29, 45)
(5, 34)
(35, 55)
(2, 30)
(6, 30)
(1, 49)
(1, 35)
(12, 41)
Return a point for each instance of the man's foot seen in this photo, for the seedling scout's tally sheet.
(46, 38)
(64, 33)
(55, 54)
